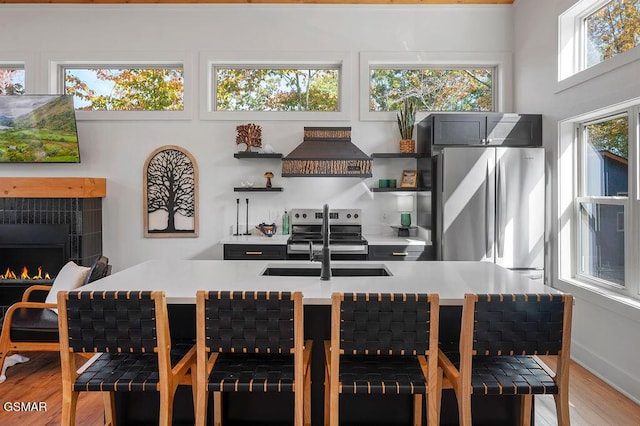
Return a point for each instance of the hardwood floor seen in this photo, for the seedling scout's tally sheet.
(592, 401)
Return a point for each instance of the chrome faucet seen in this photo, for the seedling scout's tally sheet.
(325, 256)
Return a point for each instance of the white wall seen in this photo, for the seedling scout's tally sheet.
(117, 150)
(605, 334)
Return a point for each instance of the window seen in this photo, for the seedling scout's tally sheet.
(11, 80)
(276, 89)
(438, 81)
(271, 85)
(612, 29)
(603, 234)
(107, 88)
(433, 89)
(597, 36)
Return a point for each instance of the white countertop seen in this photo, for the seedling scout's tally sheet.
(180, 279)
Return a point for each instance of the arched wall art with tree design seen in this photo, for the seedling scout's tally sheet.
(170, 193)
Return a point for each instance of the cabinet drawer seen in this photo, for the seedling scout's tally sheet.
(254, 252)
(399, 252)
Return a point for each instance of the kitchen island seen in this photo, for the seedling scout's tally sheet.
(180, 279)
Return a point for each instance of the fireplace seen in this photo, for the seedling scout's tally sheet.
(42, 209)
(32, 252)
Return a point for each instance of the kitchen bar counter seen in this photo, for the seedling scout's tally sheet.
(180, 279)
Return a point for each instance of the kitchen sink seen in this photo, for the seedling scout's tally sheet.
(336, 271)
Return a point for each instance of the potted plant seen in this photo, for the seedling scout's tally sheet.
(406, 120)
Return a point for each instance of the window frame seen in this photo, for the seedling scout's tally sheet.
(571, 47)
(210, 59)
(501, 62)
(570, 198)
(55, 63)
(27, 62)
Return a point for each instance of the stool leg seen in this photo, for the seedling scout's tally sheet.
(417, 409)
(464, 408)
(217, 408)
(525, 407)
(69, 403)
(562, 407)
(109, 401)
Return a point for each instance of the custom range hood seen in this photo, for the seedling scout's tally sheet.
(328, 152)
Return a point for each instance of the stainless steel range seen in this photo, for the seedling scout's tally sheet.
(345, 234)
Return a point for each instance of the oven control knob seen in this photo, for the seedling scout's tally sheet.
(355, 215)
(304, 215)
(348, 215)
(297, 215)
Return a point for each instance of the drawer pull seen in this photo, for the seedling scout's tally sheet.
(253, 252)
(400, 253)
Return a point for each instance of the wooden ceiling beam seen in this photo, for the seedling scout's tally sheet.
(258, 1)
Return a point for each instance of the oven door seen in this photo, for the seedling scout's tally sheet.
(300, 251)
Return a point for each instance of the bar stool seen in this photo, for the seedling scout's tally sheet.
(129, 334)
(383, 344)
(501, 334)
(251, 342)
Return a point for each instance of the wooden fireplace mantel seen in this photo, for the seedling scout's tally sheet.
(52, 187)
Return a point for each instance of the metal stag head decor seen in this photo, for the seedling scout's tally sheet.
(249, 134)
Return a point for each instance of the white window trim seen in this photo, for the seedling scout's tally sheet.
(210, 59)
(570, 41)
(54, 61)
(502, 62)
(567, 277)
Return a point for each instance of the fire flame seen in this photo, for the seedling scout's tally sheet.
(24, 275)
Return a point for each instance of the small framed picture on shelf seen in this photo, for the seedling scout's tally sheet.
(409, 179)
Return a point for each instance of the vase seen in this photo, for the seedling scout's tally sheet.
(407, 146)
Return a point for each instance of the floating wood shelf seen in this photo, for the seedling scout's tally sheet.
(53, 187)
(257, 155)
(260, 189)
(400, 189)
(399, 155)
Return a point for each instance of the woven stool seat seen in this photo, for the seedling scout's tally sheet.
(513, 375)
(122, 372)
(252, 373)
(381, 374)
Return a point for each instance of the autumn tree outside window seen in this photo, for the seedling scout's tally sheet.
(432, 89)
(11, 80)
(276, 89)
(108, 88)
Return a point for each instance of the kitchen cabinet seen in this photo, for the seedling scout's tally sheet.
(257, 155)
(400, 252)
(255, 252)
(480, 129)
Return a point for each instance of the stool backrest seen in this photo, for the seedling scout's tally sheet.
(254, 322)
(386, 323)
(113, 321)
(518, 324)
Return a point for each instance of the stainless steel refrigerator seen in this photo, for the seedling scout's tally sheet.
(489, 205)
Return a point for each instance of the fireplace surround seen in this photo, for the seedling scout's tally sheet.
(70, 204)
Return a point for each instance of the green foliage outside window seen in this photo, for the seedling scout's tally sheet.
(131, 89)
(266, 89)
(612, 29)
(431, 89)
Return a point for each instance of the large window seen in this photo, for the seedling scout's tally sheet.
(276, 89)
(106, 88)
(11, 80)
(604, 238)
(464, 89)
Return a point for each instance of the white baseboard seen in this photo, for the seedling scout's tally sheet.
(624, 382)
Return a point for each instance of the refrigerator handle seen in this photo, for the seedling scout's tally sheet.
(500, 207)
(487, 238)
